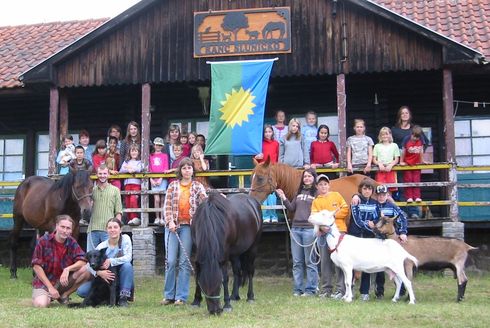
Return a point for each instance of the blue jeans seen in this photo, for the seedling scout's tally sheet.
(126, 282)
(302, 261)
(271, 200)
(94, 238)
(177, 280)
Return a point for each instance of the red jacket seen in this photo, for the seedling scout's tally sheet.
(270, 148)
(323, 152)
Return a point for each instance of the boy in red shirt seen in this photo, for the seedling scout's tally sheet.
(412, 154)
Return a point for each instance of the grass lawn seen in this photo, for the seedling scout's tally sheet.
(275, 307)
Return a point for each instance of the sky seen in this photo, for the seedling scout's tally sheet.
(20, 12)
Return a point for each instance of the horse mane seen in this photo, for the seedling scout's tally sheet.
(286, 176)
(65, 184)
(209, 222)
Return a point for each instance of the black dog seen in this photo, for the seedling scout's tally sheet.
(101, 292)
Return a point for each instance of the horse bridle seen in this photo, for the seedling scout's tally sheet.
(82, 197)
(262, 187)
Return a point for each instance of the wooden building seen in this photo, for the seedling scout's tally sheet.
(347, 59)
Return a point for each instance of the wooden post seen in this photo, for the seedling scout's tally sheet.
(341, 112)
(63, 113)
(54, 99)
(449, 141)
(145, 148)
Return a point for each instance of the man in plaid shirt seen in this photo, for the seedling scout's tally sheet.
(59, 263)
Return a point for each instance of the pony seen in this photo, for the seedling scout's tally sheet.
(225, 229)
(38, 200)
(267, 177)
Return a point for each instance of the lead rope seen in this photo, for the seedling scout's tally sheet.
(192, 268)
(313, 250)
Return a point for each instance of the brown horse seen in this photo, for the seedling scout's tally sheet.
(268, 177)
(38, 200)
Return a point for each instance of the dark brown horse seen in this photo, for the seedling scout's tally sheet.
(225, 229)
(268, 177)
(38, 200)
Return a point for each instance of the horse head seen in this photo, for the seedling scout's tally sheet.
(81, 190)
(263, 183)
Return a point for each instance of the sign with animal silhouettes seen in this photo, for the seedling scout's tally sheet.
(242, 32)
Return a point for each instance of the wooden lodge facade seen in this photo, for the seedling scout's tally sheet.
(348, 59)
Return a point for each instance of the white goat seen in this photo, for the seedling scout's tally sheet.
(367, 255)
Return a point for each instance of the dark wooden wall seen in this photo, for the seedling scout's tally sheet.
(157, 45)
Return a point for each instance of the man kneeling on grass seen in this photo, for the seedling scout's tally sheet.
(58, 263)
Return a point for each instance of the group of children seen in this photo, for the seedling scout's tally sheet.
(124, 156)
(309, 146)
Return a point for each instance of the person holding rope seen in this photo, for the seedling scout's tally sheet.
(181, 201)
(302, 236)
(331, 201)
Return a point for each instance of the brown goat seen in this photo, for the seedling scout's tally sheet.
(433, 253)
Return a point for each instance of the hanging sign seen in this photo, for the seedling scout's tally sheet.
(242, 32)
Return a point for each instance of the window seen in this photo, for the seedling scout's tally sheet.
(472, 140)
(42, 156)
(11, 158)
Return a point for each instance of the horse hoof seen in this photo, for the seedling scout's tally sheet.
(227, 309)
(251, 301)
(235, 298)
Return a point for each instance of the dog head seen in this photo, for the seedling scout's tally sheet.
(96, 258)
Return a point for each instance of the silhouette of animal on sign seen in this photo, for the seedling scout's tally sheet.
(225, 229)
(267, 177)
(226, 37)
(271, 27)
(38, 200)
(252, 35)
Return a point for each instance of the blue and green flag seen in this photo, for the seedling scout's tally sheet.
(238, 94)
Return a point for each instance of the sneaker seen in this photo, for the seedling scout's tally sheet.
(418, 200)
(83, 222)
(179, 302)
(364, 297)
(274, 220)
(307, 295)
(296, 294)
(337, 296)
(166, 302)
(414, 216)
(380, 296)
(123, 301)
(324, 295)
(410, 200)
(266, 220)
(134, 222)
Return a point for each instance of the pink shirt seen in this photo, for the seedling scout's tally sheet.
(158, 162)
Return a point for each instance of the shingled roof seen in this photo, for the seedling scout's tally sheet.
(25, 46)
(467, 22)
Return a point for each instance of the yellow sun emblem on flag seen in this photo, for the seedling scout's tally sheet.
(237, 107)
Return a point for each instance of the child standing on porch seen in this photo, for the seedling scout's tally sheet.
(323, 152)
(132, 164)
(292, 149)
(66, 154)
(309, 130)
(280, 128)
(158, 163)
(386, 155)
(99, 154)
(412, 154)
(270, 152)
(359, 148)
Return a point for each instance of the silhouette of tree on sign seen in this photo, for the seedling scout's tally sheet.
(234, 21)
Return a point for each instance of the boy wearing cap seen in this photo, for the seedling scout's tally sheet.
(158, 163)
(331, 201)
(390, 209)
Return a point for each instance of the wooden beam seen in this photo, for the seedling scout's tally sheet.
(54, 99)
(341, 108)
(145, 145)
(63, 113)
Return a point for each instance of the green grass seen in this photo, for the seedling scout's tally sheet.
(274, 307)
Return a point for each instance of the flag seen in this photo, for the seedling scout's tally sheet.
(238, 94)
